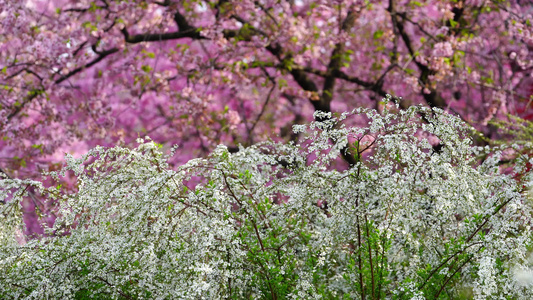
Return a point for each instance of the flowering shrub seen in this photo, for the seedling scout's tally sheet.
(419, 215)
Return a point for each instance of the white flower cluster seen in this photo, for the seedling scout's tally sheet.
(409, 220)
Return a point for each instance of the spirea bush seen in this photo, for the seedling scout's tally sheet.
(423, 214)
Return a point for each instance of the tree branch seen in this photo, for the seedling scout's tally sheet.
(157, 37)
(324, 104)
(101, 56)
(432, 98)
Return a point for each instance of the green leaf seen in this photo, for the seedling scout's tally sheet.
(38, 146)
(453, 23)
(146, 68)
(378, 34)
(93, 7)
(148, 54)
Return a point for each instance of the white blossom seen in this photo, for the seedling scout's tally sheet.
(405, 220)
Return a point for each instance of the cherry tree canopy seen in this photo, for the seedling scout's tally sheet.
(75, 74)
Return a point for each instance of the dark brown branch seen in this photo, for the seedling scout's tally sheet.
(430, 36)
(100, 57)
(432, 98)
(444, 263)
(266, 11)
(79, 48)
(27, 71)
(251, 130)
(21, 106)
(164, 3)
(376, 86)
(368, 239)
(297, 73)
(182, 23)
(451, 276)
(35, 93)
(157, 37)
(334, 67)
